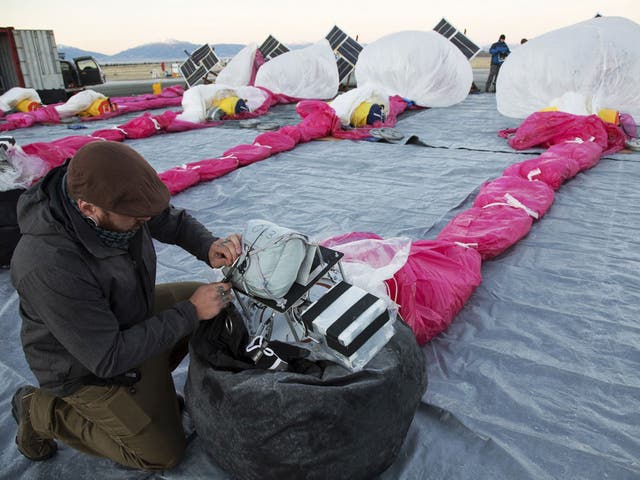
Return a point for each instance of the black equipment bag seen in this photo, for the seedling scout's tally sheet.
(316, 420)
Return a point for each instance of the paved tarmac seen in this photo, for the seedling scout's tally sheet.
(123, 88)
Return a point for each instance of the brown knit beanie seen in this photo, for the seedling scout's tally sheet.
(115, 177)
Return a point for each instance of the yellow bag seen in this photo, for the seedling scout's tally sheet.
(610, 116)
(227, 105)
(99, 107)
(367, 113)
(360, 114)
(27, 105)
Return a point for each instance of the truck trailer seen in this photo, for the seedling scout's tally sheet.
(30, 59)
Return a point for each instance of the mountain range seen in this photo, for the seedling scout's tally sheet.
(168, 51)
(173, 50)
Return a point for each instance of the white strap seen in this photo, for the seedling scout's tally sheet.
(256, 344)
(467, 245)
(514, 202)
(511, 201)
(533, 173)
(472, 244)
(155, 123)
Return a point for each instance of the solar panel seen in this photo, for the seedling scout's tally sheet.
(198, 65)
(465, 45)
(445, 28)
(188, 68)
(344, 68)
(336, 37)
(346, 50)
(271, 48)
(440, 24)
(350, 50)
(205, 56)
(459, 39)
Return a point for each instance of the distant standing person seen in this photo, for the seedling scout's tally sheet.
(499, 52)
(164, 72)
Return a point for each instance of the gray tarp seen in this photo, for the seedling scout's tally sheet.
(538, 377)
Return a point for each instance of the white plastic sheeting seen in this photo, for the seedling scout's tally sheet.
(20, 169)
(197, 100)
(238, 71)
(13, 96)
(308, 73)
(78, 103)
(368, 262)
(345, 103)
(422, 66)
(579, 69)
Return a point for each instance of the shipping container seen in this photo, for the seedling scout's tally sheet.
(29, 59)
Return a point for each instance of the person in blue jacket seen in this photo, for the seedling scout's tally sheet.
(499, 52)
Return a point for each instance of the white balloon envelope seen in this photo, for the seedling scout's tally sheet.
(423, 67)
(307, 73)
(578, 69)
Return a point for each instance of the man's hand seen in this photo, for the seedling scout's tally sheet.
(210, 299)
(224, 251)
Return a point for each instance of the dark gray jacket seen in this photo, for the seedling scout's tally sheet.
(87, 309)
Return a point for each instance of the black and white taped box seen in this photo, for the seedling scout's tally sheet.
(350, 318)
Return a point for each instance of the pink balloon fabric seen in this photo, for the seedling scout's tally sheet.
(490, 229)
(434, 284)
(543, 129)
(552, 170)
(56, 152)
(179, 178)
(559, 163)
(585, 154)
(213, 167)
(537, 196)
(44, 114)
(431, 287)
(439, 276)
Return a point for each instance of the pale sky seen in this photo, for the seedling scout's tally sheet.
(110, 26)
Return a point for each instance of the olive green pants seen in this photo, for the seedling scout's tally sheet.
(139, 427)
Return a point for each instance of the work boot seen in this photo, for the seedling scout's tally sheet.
(30, 444)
